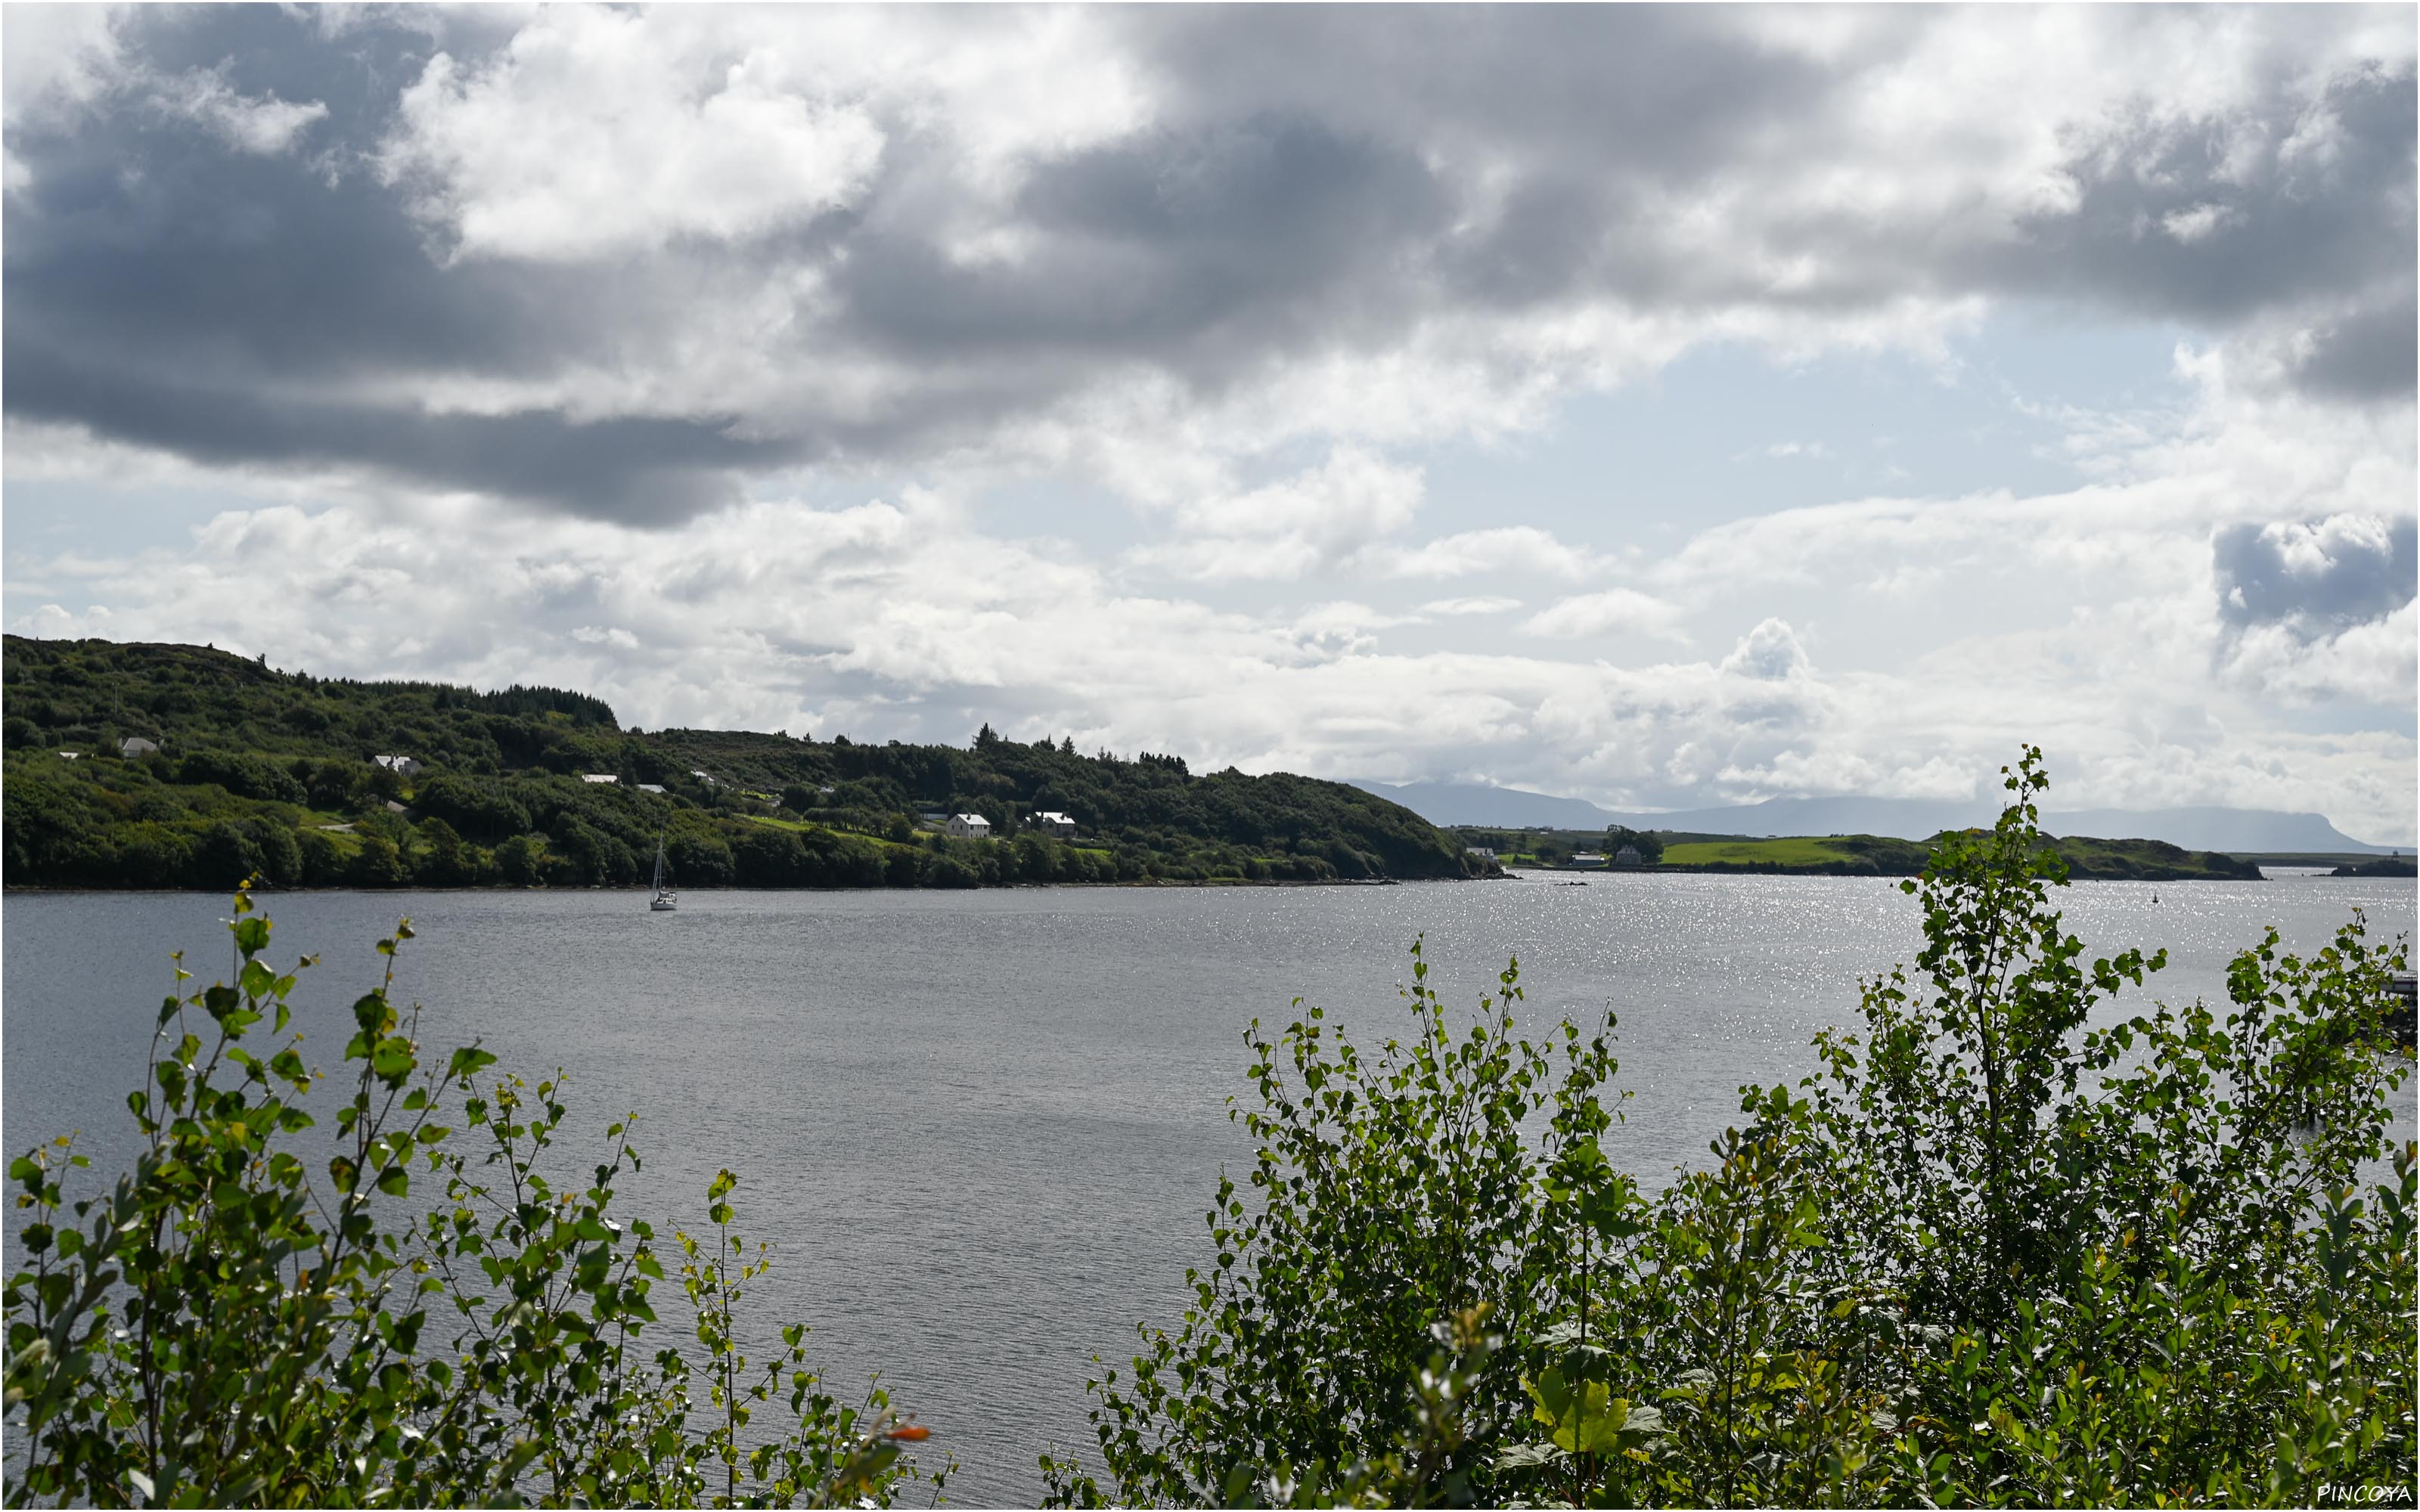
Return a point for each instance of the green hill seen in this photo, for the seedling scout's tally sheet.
(270, 771)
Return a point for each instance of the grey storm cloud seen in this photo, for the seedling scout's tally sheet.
(2367, 353)
(1202, 250)
(2321, 576)
(1308, 180)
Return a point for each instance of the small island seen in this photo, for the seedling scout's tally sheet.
(2385, 866)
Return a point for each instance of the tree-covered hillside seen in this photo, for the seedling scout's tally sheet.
(260, 770)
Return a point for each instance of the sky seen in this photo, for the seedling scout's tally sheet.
(1669, 407)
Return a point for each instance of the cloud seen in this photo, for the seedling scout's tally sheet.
(588, 137)
(1506, 548)
(2192, 225)
(2332, 572)
(264, 126)
(1609, 611)
(2375, 662)
(56, 59)
(876, 237)
(1462, 607)
(1282, 529)
(1770, 652)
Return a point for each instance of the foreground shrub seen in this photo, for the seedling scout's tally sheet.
(1399, 1208)
(1989, 1255)
(247, 1320)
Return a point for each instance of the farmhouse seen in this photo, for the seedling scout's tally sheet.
(399, 765)
(970, 827)
(136, 746)
(1054, 824)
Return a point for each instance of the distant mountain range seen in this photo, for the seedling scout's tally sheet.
(2254, 830)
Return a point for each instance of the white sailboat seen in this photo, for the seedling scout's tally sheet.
(666, 900)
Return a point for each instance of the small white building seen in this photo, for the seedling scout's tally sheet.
(1587, 860)
(703, 778)
(970, 827)
(399, 765)
(1628, 856)
(1055, 825)
(651, 787)
(136, 746)
(599, 776)
(70, 755)
(1480, 851)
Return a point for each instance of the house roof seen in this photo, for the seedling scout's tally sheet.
(600, 777)
(974, 819)
(1053, 816)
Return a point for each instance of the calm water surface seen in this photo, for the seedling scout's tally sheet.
(981, 1128)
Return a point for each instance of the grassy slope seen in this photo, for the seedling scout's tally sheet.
(2148, 860)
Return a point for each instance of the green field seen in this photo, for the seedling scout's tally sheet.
(1832, 855)
(1795, 851)
(1882, 856)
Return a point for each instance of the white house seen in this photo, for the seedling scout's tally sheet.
(970, 827)
(599, 776)
(1587, 861)
(1628, 856)
(1480, 851)
(71, 755)
(136, 746)
(703, 778)
(399, 765)
(651, 787)
(1054, 824)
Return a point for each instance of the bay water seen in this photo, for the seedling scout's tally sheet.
(981, 1128)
